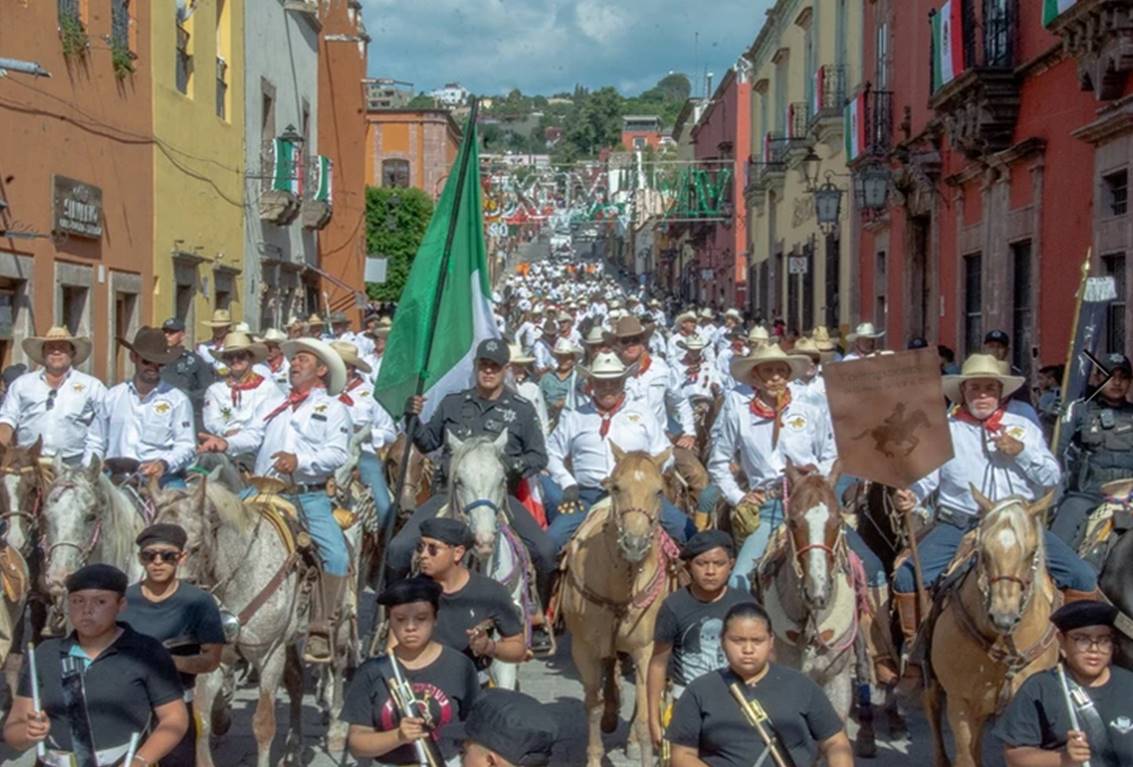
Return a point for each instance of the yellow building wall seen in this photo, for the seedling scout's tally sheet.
(199, 163)
(786, 219)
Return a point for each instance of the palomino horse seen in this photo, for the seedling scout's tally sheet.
(993, 629)
(86, 519)
(617, 576)
(419, 482)
(251, 567)
(478, 495)
(807, 586)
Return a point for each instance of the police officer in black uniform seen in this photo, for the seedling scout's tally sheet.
(189, 372)
(1096, 446)
(484, 410)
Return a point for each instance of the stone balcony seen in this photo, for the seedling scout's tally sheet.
(1099, 35)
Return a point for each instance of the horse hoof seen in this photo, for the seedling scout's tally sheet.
(609, 721)
(866, 745)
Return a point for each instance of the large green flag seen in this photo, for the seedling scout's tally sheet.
(445, 309)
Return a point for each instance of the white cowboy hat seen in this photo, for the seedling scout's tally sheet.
(384, 326)
(596, 335)
(273, 336)
(734, 314)
(314, 321)
(655, 303)
(241, 342)
(693, 343)
(864, 330)
(336, 378)
(33, 347)
(293, 321)
(242, 327)
(564, 317)
(980, 366)
(741, 367)
(822, 339)
(758, 334)
(608, 366)
(808, 347)
(564, 346)
(685, 317)
(519, 357)
(221, 318)
(349, 354)
(707, 314)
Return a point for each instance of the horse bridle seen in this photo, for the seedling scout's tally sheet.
(84, 550)
(623, 536)
(37, 497)
(1027, 585)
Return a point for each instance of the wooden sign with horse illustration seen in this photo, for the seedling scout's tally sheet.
(889, 416)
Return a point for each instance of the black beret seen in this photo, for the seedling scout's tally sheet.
(513, 725)
(174, 535)
(493, 349)
(450, 531)
(407, 590)
(1088, 612)
(102, 577)
(707, 540)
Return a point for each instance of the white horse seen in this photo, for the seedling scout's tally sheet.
(478, 495)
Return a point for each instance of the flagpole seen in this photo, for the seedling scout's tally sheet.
(1066, 370)
(412, 419)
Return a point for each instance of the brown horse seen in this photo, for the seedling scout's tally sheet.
(418, 484)
(993, 629)
(617, 576)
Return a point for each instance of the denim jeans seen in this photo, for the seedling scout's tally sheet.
(563, 526)
(373, 476)
(318, 516)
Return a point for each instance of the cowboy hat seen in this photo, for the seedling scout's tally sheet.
(314, 321)
(382, 329)
(336, 377)
(293, 321)
(518, 356)
(980, 366)
(338, 318)
(565, 346)
(221, 318)
(741, 367)
(685, 317)
(149, 344)
(240, 342)
(595, 336)
(734, 314)
(273, 336)
(608, 366)
(808, 347)
(693, 343)
(33, 347)
(864, 330)
(821, 337)
(349, 354)
(242, 327)
(758, 335)
(628, 327)
(707, 314)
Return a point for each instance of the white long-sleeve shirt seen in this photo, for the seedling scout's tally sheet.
(64, 420)
(812, 392)
(578, 438)
(704, 383)
(654, 389)
(225, 411)
(156, 427)
(531, 392)
(280, 377)
(976, 461)
(317, 432)
(805, 437)
(366, 413)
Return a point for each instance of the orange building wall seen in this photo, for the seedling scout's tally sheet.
(428, 139)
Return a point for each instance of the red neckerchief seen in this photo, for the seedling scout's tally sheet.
(608, 415)
(276, 364)
(760, 409)
(992, 423)
(249, 383)
(293, 401)
(345, 398)
(692, 369)
(646, 361)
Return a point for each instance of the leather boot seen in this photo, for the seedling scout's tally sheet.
(324, 613)
(1072, 595)
(875, 627)
(907, 613)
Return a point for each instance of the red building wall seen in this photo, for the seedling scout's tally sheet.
(652, 139)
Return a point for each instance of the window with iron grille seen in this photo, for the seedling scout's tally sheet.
(183, 59)
(1114, 266)
(120, 24)
(69, 9)
(997, 33)
(395, 173)
(221, 88)
(833, 245)
(973, 303)
(879, 289)
(1116, 192)
(1022, 315)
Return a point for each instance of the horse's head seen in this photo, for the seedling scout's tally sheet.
(71, 522)
(21, 492)
(478, 487)
(814, 529)
(636, 486)
(1010, 556)
(188, 508)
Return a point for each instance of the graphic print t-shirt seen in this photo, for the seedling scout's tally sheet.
(693, 628)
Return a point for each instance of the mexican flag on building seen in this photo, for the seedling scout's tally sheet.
(947, 44)
(322, 178)
(1052, 9)
(286, 175)
(854, 130)
(819, 90)
(445, 309)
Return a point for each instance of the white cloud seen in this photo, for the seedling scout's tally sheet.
(544, 46)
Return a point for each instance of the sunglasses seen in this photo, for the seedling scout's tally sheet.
(168, 557)
(51, 395)
(432, 548)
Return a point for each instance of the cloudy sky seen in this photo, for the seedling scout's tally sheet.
(545, 46)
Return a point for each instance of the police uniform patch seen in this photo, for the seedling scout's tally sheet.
(161, 407)
(508, 415)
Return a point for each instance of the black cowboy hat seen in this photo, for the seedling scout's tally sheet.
(149, 344)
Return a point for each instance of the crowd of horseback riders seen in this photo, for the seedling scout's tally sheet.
(670, 492)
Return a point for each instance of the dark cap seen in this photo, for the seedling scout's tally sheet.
(513, 725)
(493, 349)
(1118, 361)
(707, 540)
(163, 532)
(917, 343)
(102, 577)
(997, 337)
(450, 531)
(173, 325)
(408, 590)
(1089, 612)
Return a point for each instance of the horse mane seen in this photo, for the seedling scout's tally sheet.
(466, 447)
(122, 522)
(816, 484)
(1012, 512)
(231, 512)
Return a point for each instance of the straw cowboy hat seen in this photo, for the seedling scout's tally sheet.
(864, 330)
(758, 335)
(518, 356)
(707, 314)
(565, 346)
(382, 329)
(293, 322)
(595, 336)
(821, 337)
(273, 336)
(221, 318)
(33, 347)
(693, 343)
(149, 344)
(980, 366)
(808, 347)
(314, 321)
(607, 366)
(336, 377)
(349, 354)
(241, 342)
(685, 317)
(741, 367)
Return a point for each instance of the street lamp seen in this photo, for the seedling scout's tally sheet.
(290, 135)
(871, 185)
(810, 166)
(828, 206)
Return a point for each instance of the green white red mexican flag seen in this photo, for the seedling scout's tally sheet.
(1052, 9)
(855, 126)
(947, 44)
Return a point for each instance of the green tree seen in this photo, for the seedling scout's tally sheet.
(396, 219)
(422, 101)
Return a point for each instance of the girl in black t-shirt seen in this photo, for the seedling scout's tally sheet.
(441, 677)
